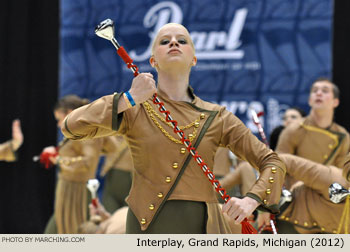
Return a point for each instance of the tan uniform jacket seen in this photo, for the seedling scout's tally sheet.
(6, 152)
(222, 162)
(346, 170)
(309, 212)
(158, 161)
(312, 211)
(324, 146)
(243, 175)
(122, 157)
(78, 162)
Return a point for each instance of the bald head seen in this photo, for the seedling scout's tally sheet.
(163, 30)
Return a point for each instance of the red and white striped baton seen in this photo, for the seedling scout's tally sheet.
(256, 121)
(258, 124)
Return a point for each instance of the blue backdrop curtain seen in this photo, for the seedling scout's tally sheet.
(259, 54)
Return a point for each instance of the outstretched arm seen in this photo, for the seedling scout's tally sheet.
(7, 149)
(267, 189)
(17, 135)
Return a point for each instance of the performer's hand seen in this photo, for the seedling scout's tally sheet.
(239, 209)
(50, 149)
(143, 87)
(53, 151)
(99, 210)
(53, 159)
(263, 219)
(17, 136)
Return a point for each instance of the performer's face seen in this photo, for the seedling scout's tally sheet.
(60, 114)
(291, 116)
(322, 96)
(173, 44)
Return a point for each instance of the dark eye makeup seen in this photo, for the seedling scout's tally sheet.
(166, 41)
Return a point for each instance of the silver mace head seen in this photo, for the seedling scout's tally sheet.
(285, 197)
(105, 29)
(337, 193)
(93, 185)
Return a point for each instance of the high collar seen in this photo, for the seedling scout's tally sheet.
(190, 91)
(309, 121)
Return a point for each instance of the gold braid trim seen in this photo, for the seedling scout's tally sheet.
(152, 113)
(331, 135)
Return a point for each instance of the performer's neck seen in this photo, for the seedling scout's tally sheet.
(174, 86)
(322, 118)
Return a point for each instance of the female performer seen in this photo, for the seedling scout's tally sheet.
(169, 192)
(77, 162)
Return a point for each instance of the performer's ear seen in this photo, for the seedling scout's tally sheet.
(194, 61)
(152, 61)
(335, 103)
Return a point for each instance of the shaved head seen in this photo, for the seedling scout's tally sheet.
(164, 27)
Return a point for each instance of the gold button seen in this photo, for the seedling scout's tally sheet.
(202, 116)
(273, 169)
(305, 224)
(323, 229)
(151, 207)
(160, 195)
(168, 179)
(175, 165)
(325, 156)
(190, 136)
(79, 158)
(330, 146)
(271, 180)
(334, 231)
(283, 217)
(265, 201)
(182, 150)
(268, 191)
(74, 159)
(143, 221)
(296, 222)
(287, 218)
(314, 224)
(196, 124)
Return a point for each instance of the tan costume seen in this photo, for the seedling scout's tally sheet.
(243, 175)
(222, 162)
(222, 166)
(6, 152)
(122, 159)
(78, 162)
(160, 160)
(311, 211)
(324, 146)
(346, 169)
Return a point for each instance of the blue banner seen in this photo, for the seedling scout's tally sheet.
(260, 54)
